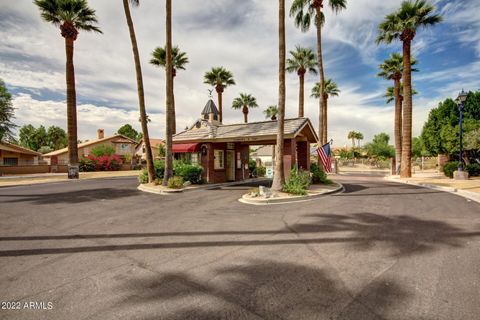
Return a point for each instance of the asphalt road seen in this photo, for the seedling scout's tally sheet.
(100, 249)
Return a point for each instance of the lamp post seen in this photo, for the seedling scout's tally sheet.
(460, 175)
(462, 97)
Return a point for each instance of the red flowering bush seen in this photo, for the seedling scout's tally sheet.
(106, 162)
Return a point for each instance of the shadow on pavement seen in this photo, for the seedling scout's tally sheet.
(400, 235)
(261, 289)
(76, 196)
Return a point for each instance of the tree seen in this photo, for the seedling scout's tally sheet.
(40, 138)
(303, 12)
(245, 102)
(358, 136)
(279, 175)
(440, 131)
(379, 147)
(6, 113)
(128, 131)
(402, 25)
(390, 95)
(140, 91)
(271, 112)
(302, 60)
(71, 16)
(330, 90)
(392, 69)
(179, 60)
(352, 135)
(169, 93)
(56, 138)
(418, 147)
(220, 78)
(472, 140)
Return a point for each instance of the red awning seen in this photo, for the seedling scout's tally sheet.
(184, 147)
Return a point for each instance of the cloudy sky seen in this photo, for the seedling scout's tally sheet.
(241, 36)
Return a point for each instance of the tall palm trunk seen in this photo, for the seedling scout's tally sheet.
(174, 117)
(141, 95)
(398, 124)
(279, 175)
(406, 165)
(245, 114)
(169, 95)
(71, 111)
(325, 119)
(321, 111)
(301, 94)
(219, 89)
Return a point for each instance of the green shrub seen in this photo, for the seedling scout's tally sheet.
(189, 172)
(103, 150)
(261, 171)
(449, 167)
(318, 175)
(298, 182)
(473, 169)
(159, 166)
(175, 182)
(86, 165)
(143, 176)
(252, 167)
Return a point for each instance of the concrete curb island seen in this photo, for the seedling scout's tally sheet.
(283, 200)
(166, 191)
(474, 196)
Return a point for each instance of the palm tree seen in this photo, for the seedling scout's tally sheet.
(391, 69)
(402, 25)
(302, 60)
(352, 135)
(71, 16)
(304, 11)
(279, 175)
(220, 78)
(169, 93)
(245, 102)
(179, 60)
(271, 112)
(330, 90)
(390, 94)
(358, 136)
(141, 95)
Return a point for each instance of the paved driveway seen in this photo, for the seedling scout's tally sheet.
(100, 249)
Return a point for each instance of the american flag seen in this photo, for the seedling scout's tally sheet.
(325, 155)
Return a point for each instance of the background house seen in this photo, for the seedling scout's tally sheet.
(124, 147)
(155, 145)
(13, 155)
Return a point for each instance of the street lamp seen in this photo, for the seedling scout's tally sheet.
(462, 97)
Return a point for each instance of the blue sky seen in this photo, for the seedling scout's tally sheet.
(241, 36)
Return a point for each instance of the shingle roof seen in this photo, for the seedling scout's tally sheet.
(119, 139)
(242, 131)
(14, 148)
(210, 107)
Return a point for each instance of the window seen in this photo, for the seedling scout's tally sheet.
(10, 161)
(124, 146)
(194, 158)
(219, 156)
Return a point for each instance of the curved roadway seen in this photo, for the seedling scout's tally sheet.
(100, 249)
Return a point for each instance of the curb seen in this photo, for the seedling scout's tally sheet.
(474, 196)
(148, 189)
(264, 202)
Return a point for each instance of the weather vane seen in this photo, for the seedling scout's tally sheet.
(210, 93)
